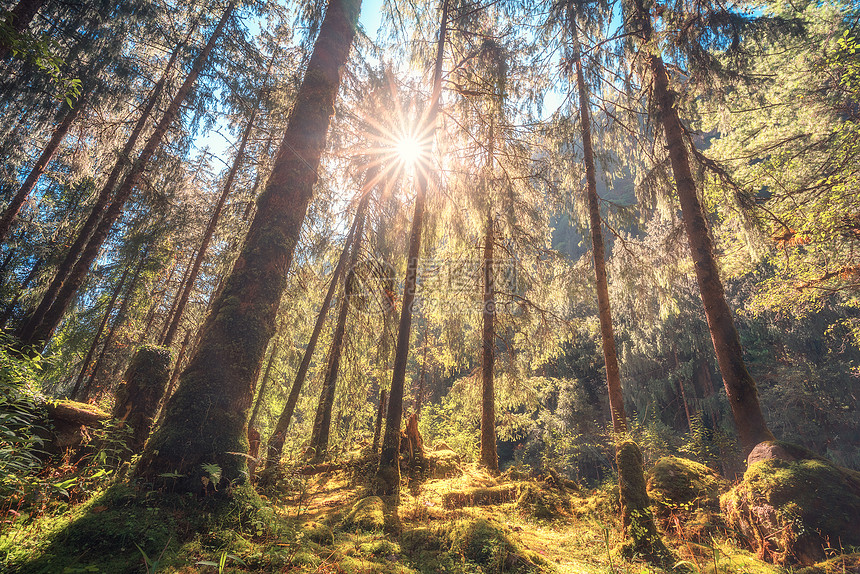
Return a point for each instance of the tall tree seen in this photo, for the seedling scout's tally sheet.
(205, 421)
(62, 129)
(209, 232)
(276, 441)
(387, 481)
(740, 386)
(16, 21)
(322, 421)
(40, 327)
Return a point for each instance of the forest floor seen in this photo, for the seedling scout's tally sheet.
(314, 521)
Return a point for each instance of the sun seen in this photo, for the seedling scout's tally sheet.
(408, 150)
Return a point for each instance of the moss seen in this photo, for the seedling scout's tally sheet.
(685, 496)
(792, 511)
(366, 514)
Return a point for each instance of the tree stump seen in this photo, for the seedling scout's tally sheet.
(141, 390)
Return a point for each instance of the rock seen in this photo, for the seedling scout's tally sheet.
(789, 511)
(685, 496)
(774, 449)
(366, 514)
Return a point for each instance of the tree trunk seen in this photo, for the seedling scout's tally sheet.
(120, 315)
(10, 308)
(216, 214)
(139, 393)
(263, 384)
(322, 422)
(610, 357)
(387, 480)
(206, 419)
(11, 213)
(276, 441)
(489, 455)
(28, 329)
(377, 429)
(22, 14)
(740, 386)
(98, 335)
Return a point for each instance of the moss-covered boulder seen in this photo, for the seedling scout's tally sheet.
(544, 503)
(685, 496)
(791, 511)
(366, 514)
(486, 543)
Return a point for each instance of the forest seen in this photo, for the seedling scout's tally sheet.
(425, 287)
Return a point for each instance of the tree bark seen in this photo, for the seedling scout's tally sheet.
(209, 232)
(98, 335)
(489, 455)
(206, 419)
(387, 480)
(263, 384)
(10, 215)
(28, 329)
(22, 14)
(322, 422)
(740, 386)
(377, 429)
(276, 441)
(610, 357)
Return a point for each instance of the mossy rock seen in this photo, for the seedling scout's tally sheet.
(843, 564)
(318, 532)
(791, 510)
(685, 496)
(366, 514)
(544, 503)
(487, 544)
(444, 463)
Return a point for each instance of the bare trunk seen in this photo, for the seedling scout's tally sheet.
(388, 474)
(209, 232)
(610, 357)
(380, 412)
(206, 419)
(322, 422)
(489, 455)
(29, 329)
(263, 384)
(9, 216)
(740, 386)
(276, 441)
